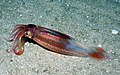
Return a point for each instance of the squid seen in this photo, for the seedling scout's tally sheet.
(51, 40)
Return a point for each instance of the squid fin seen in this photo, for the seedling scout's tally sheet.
(98, 53)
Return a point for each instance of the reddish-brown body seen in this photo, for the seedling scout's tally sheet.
(52, 40)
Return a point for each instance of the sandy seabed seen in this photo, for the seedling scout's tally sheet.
(90, 22)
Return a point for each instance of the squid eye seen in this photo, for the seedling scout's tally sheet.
(28, 34)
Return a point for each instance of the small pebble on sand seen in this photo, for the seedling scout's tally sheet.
(114, 31)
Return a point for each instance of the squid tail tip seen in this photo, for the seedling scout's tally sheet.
(99, 54)
(99, 49)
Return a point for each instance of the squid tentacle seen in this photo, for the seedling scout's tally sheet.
(18, 42)
(19, 48)
(15, 32)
